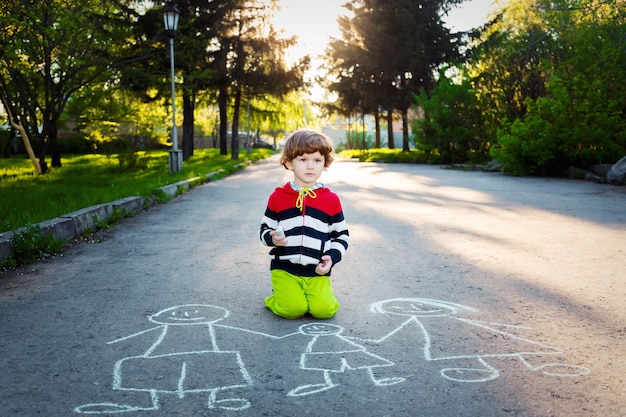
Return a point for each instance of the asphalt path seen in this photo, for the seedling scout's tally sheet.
(462, 294)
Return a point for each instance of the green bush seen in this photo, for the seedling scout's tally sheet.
(575, 126)
(31, 244)
(451, 127)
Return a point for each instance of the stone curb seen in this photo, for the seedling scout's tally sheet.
(74, 224)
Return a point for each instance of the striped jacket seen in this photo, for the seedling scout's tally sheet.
(315, 229)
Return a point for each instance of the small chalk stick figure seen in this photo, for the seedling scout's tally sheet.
(329, 352)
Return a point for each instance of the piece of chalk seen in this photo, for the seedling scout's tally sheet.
(279, 231)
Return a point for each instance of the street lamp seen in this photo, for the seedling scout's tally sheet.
(170, 19)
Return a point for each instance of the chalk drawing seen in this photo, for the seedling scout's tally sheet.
(329, 352)
(186, 357)
(173, 366)
(470, 343)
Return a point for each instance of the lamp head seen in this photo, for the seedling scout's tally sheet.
(170, 19)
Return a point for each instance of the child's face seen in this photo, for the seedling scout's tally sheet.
(307, 168)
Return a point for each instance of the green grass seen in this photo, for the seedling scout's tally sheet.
(385, 155)
(87, 180)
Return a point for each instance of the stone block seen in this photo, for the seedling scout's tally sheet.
(210, 175)
(60, 228)
(6, 249)
(131, 204)
(170, 190)
(89, 217)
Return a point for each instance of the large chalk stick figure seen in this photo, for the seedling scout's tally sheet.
(329, 352)
(470, 344)
(184, 359)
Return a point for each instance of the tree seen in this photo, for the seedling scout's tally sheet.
(391, 51)
(250, 63)
(550, 77)
(511, 63)
(199, 27)
(226, 50)
(353, 72)
(279, 115)
(112, 118)
(451, 128)
(48, 51)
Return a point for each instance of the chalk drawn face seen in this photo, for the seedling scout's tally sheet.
(418, 307)
(320, 329)
(189, 314)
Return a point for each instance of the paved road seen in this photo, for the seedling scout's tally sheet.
(463, 294)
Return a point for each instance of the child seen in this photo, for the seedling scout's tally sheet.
(304, 225)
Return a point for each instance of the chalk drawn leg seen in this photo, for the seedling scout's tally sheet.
(563, 370)
(486, 373)
(234, 404)
(313, 388)
(381, 382)
(113, 408)
(556, 369)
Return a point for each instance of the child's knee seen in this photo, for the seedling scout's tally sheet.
(323, 310)
(289, 309)
(294, 310)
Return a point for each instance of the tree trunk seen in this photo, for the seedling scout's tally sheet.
(29, 148)
(53, 146)
(234, 147)
(222, 99)
(363, 146)
(188, 124)
(377, 125)
(405, 130)
(222, 95)
(18, 126)
(41, 152)
(390, 129)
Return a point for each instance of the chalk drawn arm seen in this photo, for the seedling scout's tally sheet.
(388, 335)
(270, 336)
(121, 339)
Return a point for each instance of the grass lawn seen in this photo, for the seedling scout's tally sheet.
(87, 180)
(385, 155)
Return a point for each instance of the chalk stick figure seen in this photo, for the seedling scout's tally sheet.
(184, 359)
(469, 343)
(329, 352)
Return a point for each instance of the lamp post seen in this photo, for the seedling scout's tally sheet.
(170, 19)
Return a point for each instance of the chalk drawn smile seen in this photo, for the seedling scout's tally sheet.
(320, 329)
(187, 318)
(192, 313)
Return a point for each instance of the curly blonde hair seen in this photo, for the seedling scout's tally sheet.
(307, 141)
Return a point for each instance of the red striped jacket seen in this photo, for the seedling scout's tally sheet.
(317, 228)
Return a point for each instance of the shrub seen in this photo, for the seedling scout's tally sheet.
(451, 127)
(31, 244)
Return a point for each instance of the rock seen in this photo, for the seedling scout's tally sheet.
(494, 166)
(617, 174)
(601, 170)
(587, 174)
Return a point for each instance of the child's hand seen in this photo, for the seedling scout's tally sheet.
(324, 266)
(278, 240)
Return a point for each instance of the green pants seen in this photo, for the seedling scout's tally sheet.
(295, 296)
